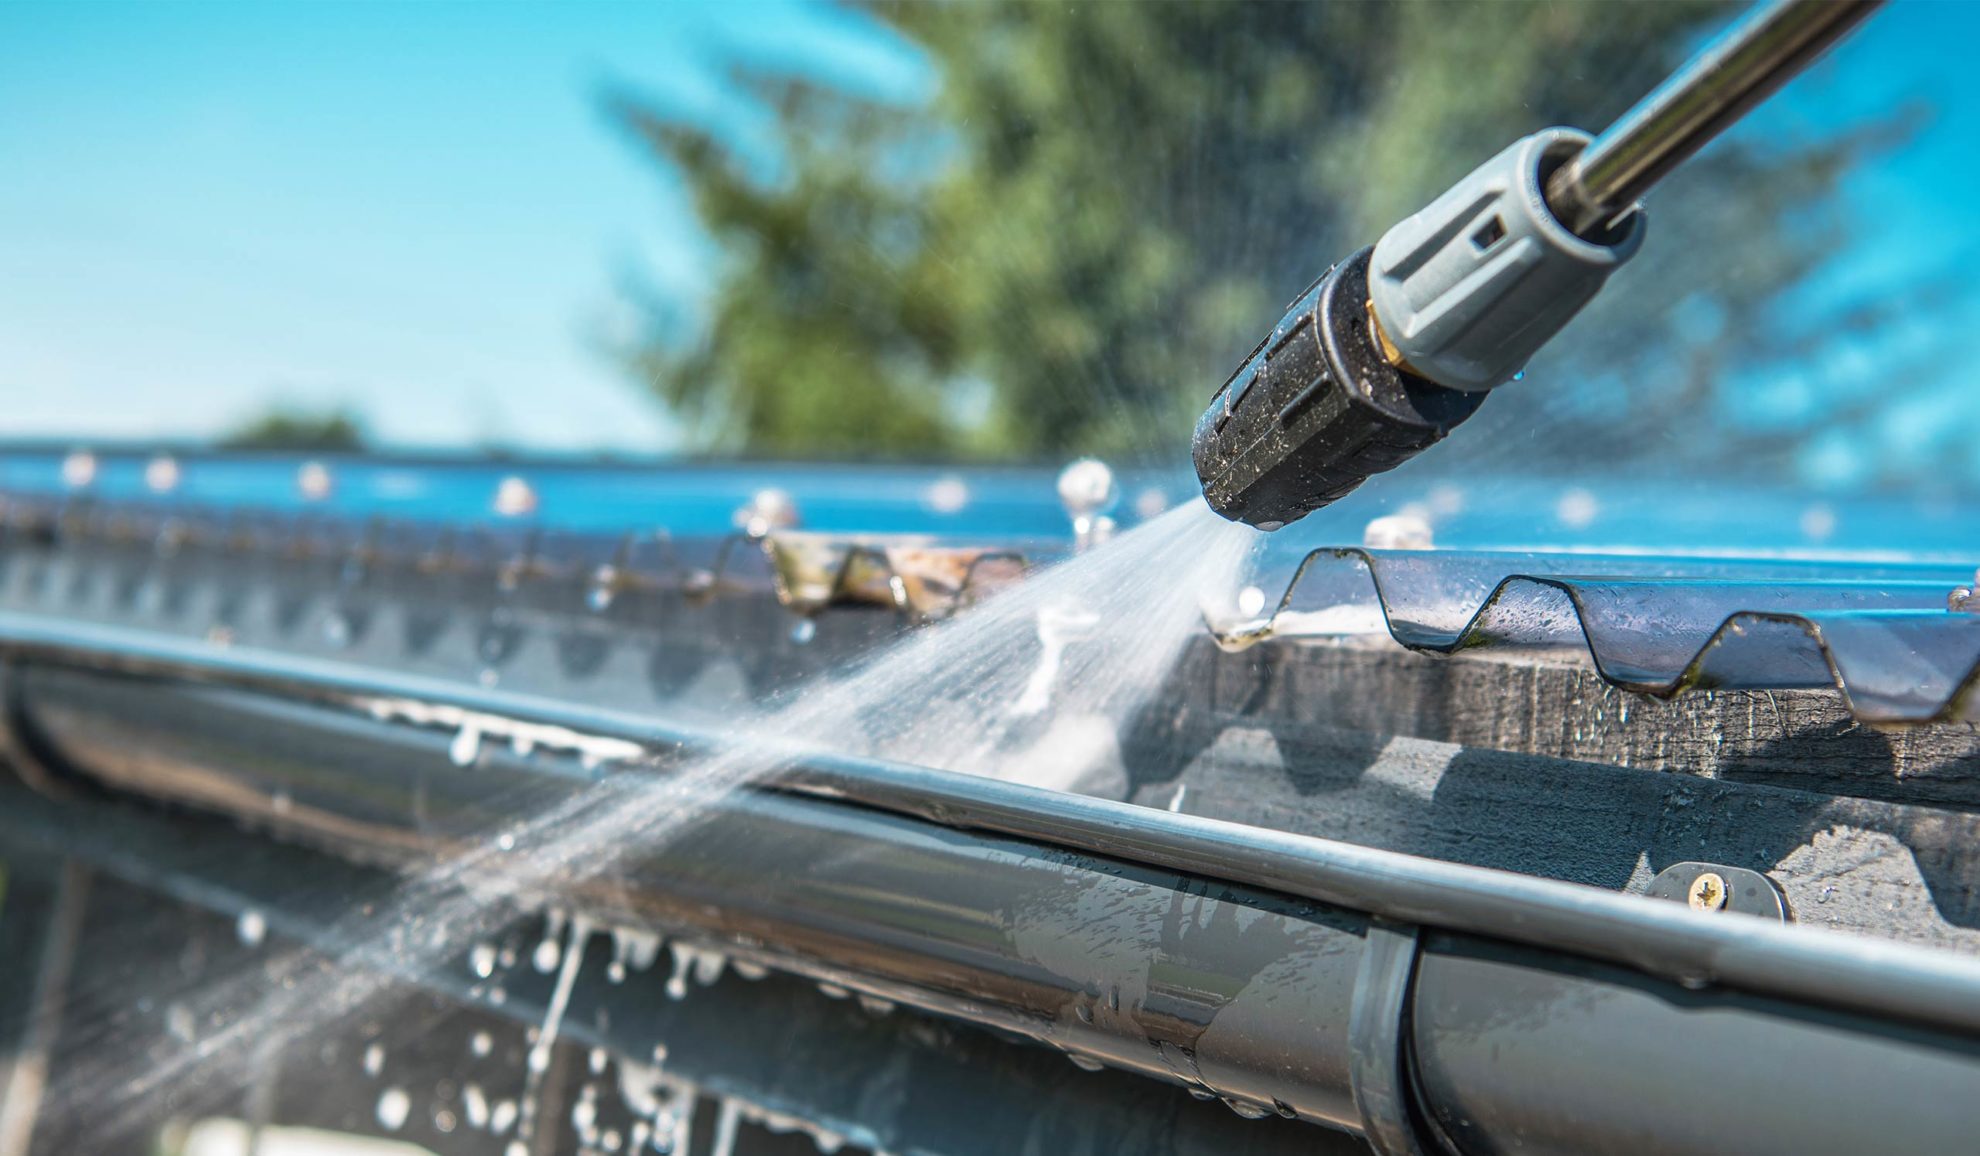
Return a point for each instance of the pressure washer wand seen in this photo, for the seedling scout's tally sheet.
(1395, 346)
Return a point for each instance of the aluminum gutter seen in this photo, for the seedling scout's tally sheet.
(983, 930)
(1437, 971)
(774, 1041)
(1672, 942)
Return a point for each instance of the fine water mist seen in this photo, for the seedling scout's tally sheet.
(1033, 685)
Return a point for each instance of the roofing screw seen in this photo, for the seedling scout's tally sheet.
(1405, 530)
(161, 475)
(78, 469)
(1708, 892)
(314, 481)
(1963, 600)
(765, 513)
(1086, 489)
(515, 498)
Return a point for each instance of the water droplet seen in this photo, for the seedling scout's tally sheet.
(313, 481)
(161, 475)
(251, 928)
(1251, 600)
(374, 1059)
(769, 510)
(466, 747)
(546, 955)
(481, 1044)
(443, 1120)
(79, 469)
(1406, 529)
(393, 1108)
(515, 498)
(179, 1021)
(1087, 487)
(1818, 522)
(1577, 508)
(475, 1103)
(1246, 1108)
(1085, 1063)
(947, 495)
(805, 630)
(481, 959)
(500, 1118)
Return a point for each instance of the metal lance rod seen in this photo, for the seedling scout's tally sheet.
(1736, 71)
(1396, 346)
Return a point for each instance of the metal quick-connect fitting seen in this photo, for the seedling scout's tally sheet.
(1471, 287)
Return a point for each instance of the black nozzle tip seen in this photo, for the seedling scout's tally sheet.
(1316, 410)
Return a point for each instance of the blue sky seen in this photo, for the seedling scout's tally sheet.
(417, 209)
(1915, 218)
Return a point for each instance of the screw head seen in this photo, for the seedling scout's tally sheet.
(1086, 488)
(767, 512)
(1708, 892)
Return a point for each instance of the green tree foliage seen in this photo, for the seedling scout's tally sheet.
(1104, 205)
(294, 430)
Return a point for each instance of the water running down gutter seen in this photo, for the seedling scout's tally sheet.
(1421, 1003)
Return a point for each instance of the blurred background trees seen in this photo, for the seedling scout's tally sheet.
(1104, 205)
(299, 430)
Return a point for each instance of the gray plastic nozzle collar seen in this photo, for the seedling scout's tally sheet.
(1471, 287)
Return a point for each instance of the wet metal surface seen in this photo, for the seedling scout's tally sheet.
(1873, 626)
(175, 889)
(1878, 632)
(385, 688)
(1112, 933)
(1659, 1070)
(1673, 943)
